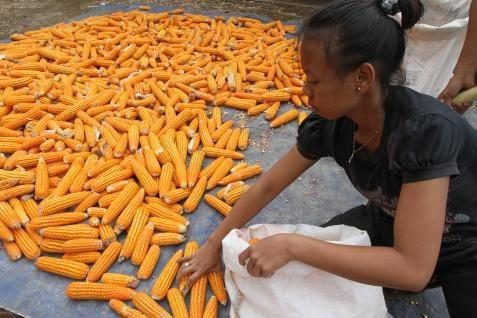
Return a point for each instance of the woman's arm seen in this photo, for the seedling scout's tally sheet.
(268, 186)
(466, 68)
(408, 265)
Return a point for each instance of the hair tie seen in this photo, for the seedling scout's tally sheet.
(389, 7)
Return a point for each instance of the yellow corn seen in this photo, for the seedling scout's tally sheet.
(120, 280)
(219, 205)
(196, 195)
(107, 258)
(163, 239)
(19, 210)
(163, 282)
(5, 233)
(142, 244)
(70, 232)
(215, 152)
(26, 244)
(8, 216)
(177, 303)
(149, 263)
(126, 217)
(124, 310)
(62, 267)
(106, 233)
(233, 195)
(242, 174)
(12, 250)
(176, 195)
(211, 308)
(138, 223)
(52, 246)
(61, 203)
(146, 180)
(16, 191)
(191, 248)
(197, 297)
(222, 129)
(220, 173)
(120, 202)
(195, 165)
(243, 139)
(216, 282)
(290, 115)
(31, 208)
(83, 245)
(152, 164)
(42, 188)
(272, 111)
(84, 257)
(98, 291)
(145, 304)
(57, 219)
(88, 202)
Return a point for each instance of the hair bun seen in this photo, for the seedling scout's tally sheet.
(389, 7)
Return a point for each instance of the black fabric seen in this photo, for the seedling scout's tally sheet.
(422, 139)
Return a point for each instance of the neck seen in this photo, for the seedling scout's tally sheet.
(368, 115)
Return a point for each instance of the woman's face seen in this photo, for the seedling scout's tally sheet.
(330, 96)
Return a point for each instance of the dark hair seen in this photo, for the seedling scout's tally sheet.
(359, 31)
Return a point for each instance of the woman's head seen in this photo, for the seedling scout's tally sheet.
(357, 33)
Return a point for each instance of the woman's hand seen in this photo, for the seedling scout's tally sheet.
(267, 255)
(460, 81)
(206, 259)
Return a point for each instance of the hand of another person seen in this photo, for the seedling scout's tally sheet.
(459, 82)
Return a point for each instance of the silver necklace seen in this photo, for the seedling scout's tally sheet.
(363, 145)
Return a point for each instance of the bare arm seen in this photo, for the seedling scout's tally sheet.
(284, 172)
(408, 265)
(268, 186)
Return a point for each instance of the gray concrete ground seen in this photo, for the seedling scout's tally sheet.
(21, 15)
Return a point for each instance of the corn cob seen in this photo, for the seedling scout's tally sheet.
(12, 250)
(52, 246)
(196, 195)
(272, 111)
(242, 174)
(8, 216)
(83, 245)
(144, 178)
(233, 195)
(290, 115)
(57, 219)
(124, 310)
(221, 130)
(197, 297)
(16, 191)
(97, 291)
(191, 248)
(216, 282)
(31, 208)
(70, 232)
(243, 139)
(106, 233)
(177, 303)
(88, 202)
(62, 267)
(100, 183)
(194, 168)
(149, 263)
(120, 280)
(137, 226)
(142, 244)
(107, 258)
(211, 308)
(215, 152)
(164, 239)
(84, 257)
(120, 202)
(5, 233)
(145, 304)
(26, 244)
(163, 282)
(219, 205)
(176, 195)
(166, 178)
(126, 217)
(163, 211)
(220, 173)
(54, 205)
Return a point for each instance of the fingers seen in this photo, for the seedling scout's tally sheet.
(244, 256)
(185, 269)
(184, 259)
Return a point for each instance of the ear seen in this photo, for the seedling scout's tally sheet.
(365, 77)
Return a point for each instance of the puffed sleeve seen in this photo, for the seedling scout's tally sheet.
(425, 147)
(311, 140)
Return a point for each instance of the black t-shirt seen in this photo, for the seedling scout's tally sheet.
(422, 139)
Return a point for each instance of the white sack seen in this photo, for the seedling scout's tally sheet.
(298, 290)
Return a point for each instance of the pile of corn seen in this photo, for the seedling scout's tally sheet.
(105, 126)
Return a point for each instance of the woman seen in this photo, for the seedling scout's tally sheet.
(410, 155)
